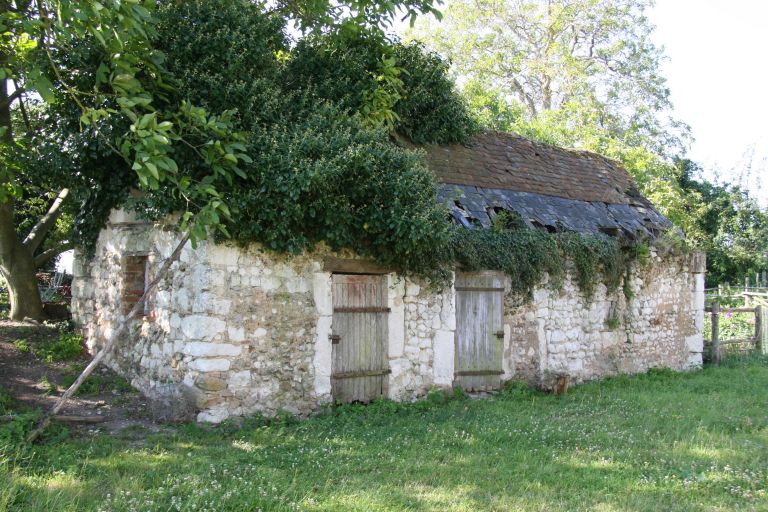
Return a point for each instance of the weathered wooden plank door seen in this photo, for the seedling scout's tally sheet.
(479, 330)
(360, 362)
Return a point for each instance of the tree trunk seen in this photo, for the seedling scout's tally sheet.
(17, 265)
(18, 270)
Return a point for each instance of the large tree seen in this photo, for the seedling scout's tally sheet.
(587, 60)
(98, 59)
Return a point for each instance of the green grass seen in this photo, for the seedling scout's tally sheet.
(657, 442)
(96, 383)
(54, 342)
(66, 347)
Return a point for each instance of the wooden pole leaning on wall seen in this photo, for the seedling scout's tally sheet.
(715, 346)
(122, 327)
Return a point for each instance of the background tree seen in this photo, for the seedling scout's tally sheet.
(727, 223)
(588, 60)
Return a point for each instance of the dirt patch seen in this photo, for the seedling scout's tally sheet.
(35, 383)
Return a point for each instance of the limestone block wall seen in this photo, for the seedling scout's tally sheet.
(236, 332)
(427, 355)
(230, 332)
(653, 320)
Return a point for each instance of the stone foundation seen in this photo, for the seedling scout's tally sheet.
(236, 332)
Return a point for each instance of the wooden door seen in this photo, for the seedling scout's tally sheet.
(360, 362)
(479, 330)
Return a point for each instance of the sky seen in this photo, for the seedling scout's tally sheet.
(717, 71)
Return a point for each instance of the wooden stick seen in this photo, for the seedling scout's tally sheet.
(121, 328)
(715, 346)
(79, 419)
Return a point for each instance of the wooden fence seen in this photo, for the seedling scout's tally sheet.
(758, 342)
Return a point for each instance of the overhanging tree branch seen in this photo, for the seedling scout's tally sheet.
(45, 256)
(36, 236)
(12, 97)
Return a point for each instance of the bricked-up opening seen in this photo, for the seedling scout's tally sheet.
(135, 280)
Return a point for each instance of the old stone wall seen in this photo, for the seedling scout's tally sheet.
(236, 332)
(655, 319)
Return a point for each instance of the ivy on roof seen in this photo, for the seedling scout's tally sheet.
(321, 171)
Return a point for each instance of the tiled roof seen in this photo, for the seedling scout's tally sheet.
(551, 188)
(510, 162)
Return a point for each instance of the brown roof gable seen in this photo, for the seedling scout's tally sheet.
(508, 161)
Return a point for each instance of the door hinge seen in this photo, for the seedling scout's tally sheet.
(500, 335)
(335, 338)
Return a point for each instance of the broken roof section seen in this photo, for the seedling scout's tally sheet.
(551, 188)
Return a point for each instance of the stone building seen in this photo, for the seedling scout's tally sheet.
(234, 332)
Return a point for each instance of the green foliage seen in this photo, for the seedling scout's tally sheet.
(96, 383)
(378, 104)
(66, 347)
(6, 401)
(613, 322)
(523, 254)
(48, 387)
(22, 346)
(727, 223)
(432, 112)
(13, 433)
(526, 255)
(423, 106)
(592, 256)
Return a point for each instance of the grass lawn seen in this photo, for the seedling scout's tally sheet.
(656, 442)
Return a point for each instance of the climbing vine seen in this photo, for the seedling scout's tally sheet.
(526, 255)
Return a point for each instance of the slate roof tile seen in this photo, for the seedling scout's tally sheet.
(545, 184)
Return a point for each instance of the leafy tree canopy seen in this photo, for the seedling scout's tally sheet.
(726, 222)
(315, 121)
(566, 63)
(109, 92)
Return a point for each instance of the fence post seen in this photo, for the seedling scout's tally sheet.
(715, 346)
(747, 298)
(761, 329)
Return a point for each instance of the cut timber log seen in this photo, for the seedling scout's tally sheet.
(79, 419)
